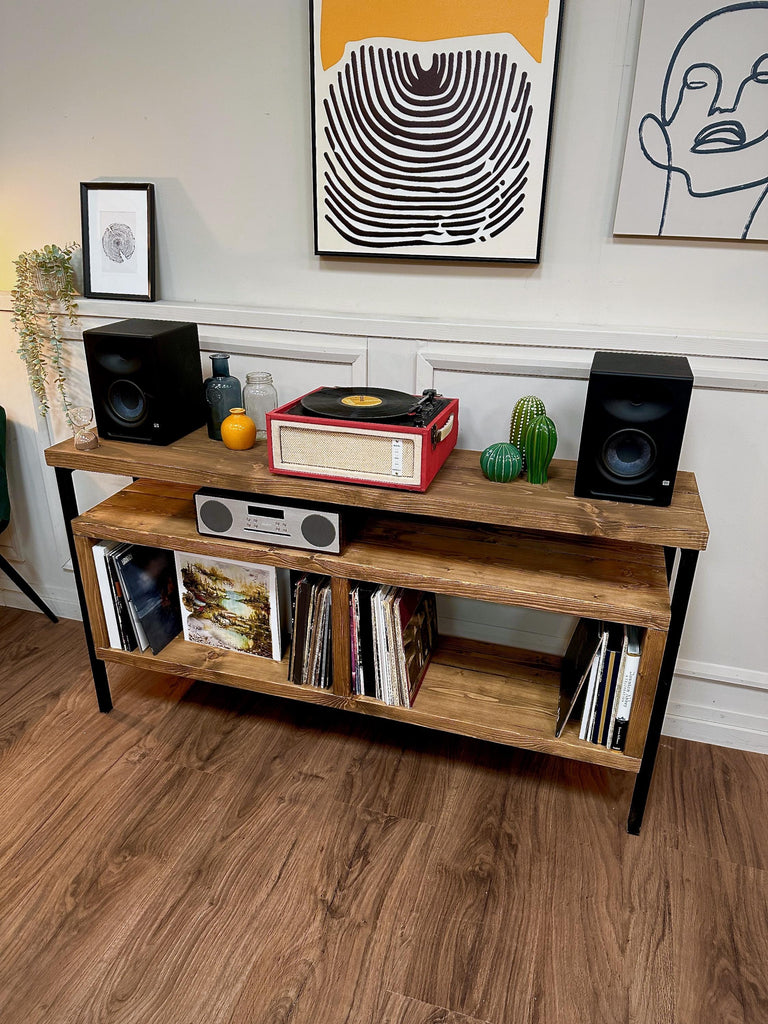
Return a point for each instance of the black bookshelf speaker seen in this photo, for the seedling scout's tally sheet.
(634, 421)
(146, 380)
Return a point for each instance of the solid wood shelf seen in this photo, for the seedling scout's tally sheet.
(472, 689)
(459, 492)
(594, 578)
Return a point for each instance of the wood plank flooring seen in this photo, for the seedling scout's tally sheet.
(204, 855)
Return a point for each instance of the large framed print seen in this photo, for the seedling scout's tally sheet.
(696, 155)
(431, 124)
(118, 221)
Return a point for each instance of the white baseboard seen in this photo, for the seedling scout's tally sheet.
(62, 603)
(719, 704)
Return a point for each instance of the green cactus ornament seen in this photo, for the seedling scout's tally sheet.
(501, 462)
(524, 413)
(540, 444)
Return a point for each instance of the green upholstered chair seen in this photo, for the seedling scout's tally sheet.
(5, 518)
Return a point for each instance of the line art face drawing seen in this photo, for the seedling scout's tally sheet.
(709, 130)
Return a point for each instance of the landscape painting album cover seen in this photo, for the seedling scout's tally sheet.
(230, 605)
(431, 124)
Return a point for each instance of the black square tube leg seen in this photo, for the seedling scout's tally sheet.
(69, 508)
(680, 597)
(25, 588)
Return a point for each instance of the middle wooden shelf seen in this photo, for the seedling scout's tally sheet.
(549, 572)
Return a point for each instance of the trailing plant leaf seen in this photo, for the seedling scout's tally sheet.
(44, 294)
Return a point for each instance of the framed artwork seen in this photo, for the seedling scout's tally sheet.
(233, 606)
(431, 126)
(118, 220)
(696, 155)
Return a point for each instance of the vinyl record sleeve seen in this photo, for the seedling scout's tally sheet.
(231, 605)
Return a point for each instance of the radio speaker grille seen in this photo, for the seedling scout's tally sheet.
(367, 455)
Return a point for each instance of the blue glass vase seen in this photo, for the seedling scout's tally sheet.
(222, 393)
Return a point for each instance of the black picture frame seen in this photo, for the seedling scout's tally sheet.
(119, 254)
(356, 207)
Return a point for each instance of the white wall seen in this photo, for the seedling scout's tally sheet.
(212, 104)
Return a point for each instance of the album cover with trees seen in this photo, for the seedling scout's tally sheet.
(230, 605)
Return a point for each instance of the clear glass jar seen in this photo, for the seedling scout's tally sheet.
(222, 393)
(259, 398)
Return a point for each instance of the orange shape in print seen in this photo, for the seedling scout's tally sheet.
(345, 21)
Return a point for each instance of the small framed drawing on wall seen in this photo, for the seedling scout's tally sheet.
(118, 220)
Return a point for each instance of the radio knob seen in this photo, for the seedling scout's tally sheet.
(318, 531)
(216, 516)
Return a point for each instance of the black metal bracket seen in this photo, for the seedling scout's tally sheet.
(69, 508)
(680, 597)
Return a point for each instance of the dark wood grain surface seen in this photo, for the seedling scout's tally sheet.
(579, 576)
(205, 855)
(459, 491)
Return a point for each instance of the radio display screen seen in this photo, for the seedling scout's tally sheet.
(268, 513)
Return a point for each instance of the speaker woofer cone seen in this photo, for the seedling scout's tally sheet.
(628, 455)
(126, 403)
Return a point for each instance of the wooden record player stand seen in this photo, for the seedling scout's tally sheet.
(515, 544)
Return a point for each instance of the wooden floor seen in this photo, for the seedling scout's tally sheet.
(204, 855)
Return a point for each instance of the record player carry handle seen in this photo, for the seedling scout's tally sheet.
(445, 430)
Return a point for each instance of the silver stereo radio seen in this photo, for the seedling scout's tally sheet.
(268, 520)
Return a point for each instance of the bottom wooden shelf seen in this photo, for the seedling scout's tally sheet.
(473, 689)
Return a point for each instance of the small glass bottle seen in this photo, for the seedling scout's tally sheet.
(259, 398)
(222, 393)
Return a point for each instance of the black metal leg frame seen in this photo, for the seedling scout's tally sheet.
(69, 508)
(680, 596)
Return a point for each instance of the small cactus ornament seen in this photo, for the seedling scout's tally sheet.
(540, 444)
(501, 462)
(525, 411)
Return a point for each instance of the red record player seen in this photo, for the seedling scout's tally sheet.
(364, 436)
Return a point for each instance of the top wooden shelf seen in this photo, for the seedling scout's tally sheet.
(459, 492)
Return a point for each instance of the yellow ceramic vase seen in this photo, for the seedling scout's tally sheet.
(238, 431)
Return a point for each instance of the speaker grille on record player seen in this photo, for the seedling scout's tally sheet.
(352, 452)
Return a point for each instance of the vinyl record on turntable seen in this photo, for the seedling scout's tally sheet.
(356, 404)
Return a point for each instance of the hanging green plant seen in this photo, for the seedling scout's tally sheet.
(44, 295)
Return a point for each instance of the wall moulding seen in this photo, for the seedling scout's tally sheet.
(570, 338)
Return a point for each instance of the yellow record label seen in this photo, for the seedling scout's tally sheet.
(361, 400)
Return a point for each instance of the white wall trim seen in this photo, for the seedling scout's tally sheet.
(712, 373)
(708, 705)
(703, 671)
(586, 337)
(61, 601)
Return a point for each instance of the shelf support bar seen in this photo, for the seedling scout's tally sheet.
(68, 500)
(680, 596)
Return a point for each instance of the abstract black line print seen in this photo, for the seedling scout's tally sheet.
(431, 127)
(426, 155)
